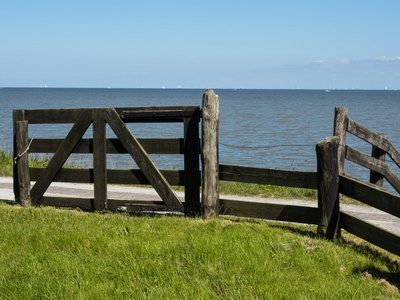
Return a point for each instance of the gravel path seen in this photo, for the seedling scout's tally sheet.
(366, 213)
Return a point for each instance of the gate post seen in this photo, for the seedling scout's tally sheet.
(22, 177)
(209, 155)
(328, 187)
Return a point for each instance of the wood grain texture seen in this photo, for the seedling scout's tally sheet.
(371, 233)
(209, 154)
(114, 176)
(22, 191)
(339, 129)
(370, 194)
(268, 211)
(113, 146)
(299, 179)
(328, 187)
(99, 160)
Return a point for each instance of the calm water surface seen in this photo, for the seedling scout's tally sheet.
(261, 128)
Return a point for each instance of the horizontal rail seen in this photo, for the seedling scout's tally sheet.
(369, 194)
(88, 203)
(373, 164)
(371, 233)
(299, 179)
(269, 211)
(70, 115)
(82, 203)
(373, 138)
(114, 176)
(151, 146)
(169, 114)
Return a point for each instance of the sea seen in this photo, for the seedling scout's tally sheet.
(260, 128)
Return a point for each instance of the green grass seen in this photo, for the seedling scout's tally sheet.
(47, 253)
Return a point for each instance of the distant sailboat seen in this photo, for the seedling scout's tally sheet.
(328, 90)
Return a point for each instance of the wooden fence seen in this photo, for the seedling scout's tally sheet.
(329, 179)
(99, 146)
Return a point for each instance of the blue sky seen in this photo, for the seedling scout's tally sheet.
(200, 44)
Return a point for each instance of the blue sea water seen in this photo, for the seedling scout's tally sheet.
(261, 128)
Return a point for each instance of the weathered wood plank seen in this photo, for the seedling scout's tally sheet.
(374, 139)
(70, 115)
(374, 164)
(328, 187)
(371, 233)
(143, 161)
(140, 208)
(82, 203)
(22, 193)
(61, 155)
(114, 176)
(277, 212)
(18, 115)
(370, 194)
(339, 130)
(165, 114)
(113, 146)
(192, 165)
(114, 204)
(299, 179)
(53, 116)
(209, 154)
(99, 160)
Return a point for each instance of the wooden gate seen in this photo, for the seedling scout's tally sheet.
(99, 146)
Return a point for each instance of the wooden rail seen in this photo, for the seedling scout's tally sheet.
(278, 212)
(369, 193)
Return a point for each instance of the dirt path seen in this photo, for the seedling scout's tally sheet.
(366, 213)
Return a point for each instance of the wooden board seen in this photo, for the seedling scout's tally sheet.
(57, 116)
(113, 146)
(369, 194)
(99, 160)
(371, 233)
(161, 114)
(114, 176)
(277, 212)
(299, 179)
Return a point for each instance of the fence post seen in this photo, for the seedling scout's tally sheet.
(192, 165)
(22, 188)
(375, 177)
(328, 187)
(99, 160)
(209, 155)
(339, 130)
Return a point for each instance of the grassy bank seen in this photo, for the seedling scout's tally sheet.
(58, 254)
(228, 188)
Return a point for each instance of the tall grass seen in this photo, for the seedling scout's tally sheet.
(56, 254)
